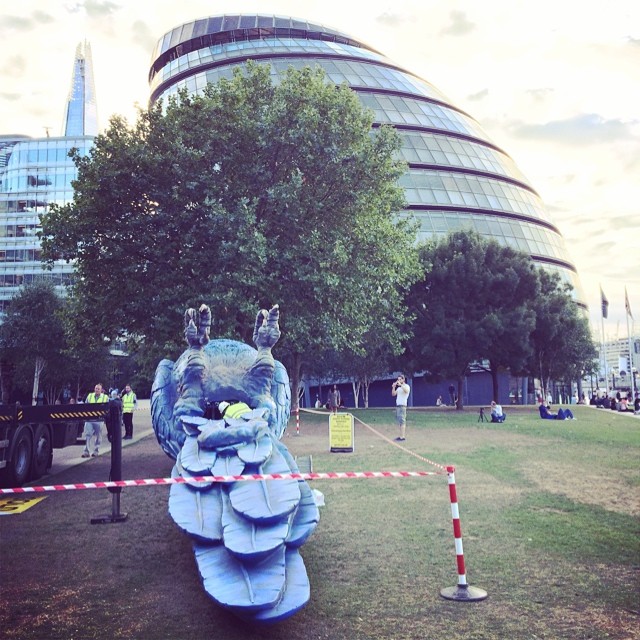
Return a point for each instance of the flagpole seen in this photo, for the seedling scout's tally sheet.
(627, 310)
(604, 358)
(604, 312)
(633, 390)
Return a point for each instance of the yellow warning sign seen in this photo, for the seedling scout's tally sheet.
(341, 432)
(17, 505)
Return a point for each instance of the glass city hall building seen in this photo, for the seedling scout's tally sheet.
(457, 178)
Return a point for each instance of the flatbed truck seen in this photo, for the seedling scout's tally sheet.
(29, 434)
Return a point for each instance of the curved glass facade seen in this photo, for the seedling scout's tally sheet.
(457, 177)
(36, 173)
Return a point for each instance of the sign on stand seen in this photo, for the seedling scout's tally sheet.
(341, 433)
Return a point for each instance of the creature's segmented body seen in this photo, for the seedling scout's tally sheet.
(246, 535)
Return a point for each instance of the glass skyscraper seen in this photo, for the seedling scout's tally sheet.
(81, 113)
(457, 177)
(35, 172)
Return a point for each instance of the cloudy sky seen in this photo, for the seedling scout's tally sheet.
(555, 83)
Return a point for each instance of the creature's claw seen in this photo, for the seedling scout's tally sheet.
(197, 335)
(267, 329)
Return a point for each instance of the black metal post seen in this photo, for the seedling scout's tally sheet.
(114, 431)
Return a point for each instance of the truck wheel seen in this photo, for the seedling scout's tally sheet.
(17, 471)
(42, 449)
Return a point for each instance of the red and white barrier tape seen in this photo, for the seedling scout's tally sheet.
(399, 446)
(148, 482)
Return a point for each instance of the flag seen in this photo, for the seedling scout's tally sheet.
(605, 304)
(626, 303)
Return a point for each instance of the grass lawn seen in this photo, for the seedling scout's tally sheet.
(550, 521)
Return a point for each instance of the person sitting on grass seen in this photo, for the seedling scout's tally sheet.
(625, 405)
(563, 414)
(497, 415)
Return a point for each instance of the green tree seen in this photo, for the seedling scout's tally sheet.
(563, 347)
(32, 333)
(248, 195)
(363, 365)
(473, 304)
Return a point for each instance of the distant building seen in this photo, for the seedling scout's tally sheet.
(457, 177)
(36, 172)
(622, 357)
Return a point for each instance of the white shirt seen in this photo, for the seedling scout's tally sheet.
(402, 395)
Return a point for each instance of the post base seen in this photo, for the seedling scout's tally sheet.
(108, 519)
(464, 593)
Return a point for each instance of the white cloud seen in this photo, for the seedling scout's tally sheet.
(99, 8)
(459, 25)
(586, 128)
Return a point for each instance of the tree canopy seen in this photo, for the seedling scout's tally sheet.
(562, 345)
(38, 351)
(32, 333)
(472, 303)
(250, 194)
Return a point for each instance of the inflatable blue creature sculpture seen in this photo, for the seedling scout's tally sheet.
(246, 534)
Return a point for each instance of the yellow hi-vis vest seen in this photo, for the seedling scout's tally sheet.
(128, 402)
(236, 410)
(92, 398)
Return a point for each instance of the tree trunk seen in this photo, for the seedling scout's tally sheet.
(459, 402)
(295, 376)
(52, 394)
(37, 372)
(494, 380)
(367, 384)
(355, 385)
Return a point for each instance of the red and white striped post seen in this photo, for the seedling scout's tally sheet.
(462, 591)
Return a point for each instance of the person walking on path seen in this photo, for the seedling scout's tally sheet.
(93, 428)
(400, 390)
(334, 399)
(129, 405)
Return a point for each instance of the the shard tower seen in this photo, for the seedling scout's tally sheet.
(81, 113)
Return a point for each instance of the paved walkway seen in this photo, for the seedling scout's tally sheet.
(631, 414)
(72, 455)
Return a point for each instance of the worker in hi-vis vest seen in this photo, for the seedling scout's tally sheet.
(233, 409)
(129, 404)
(93, 428)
